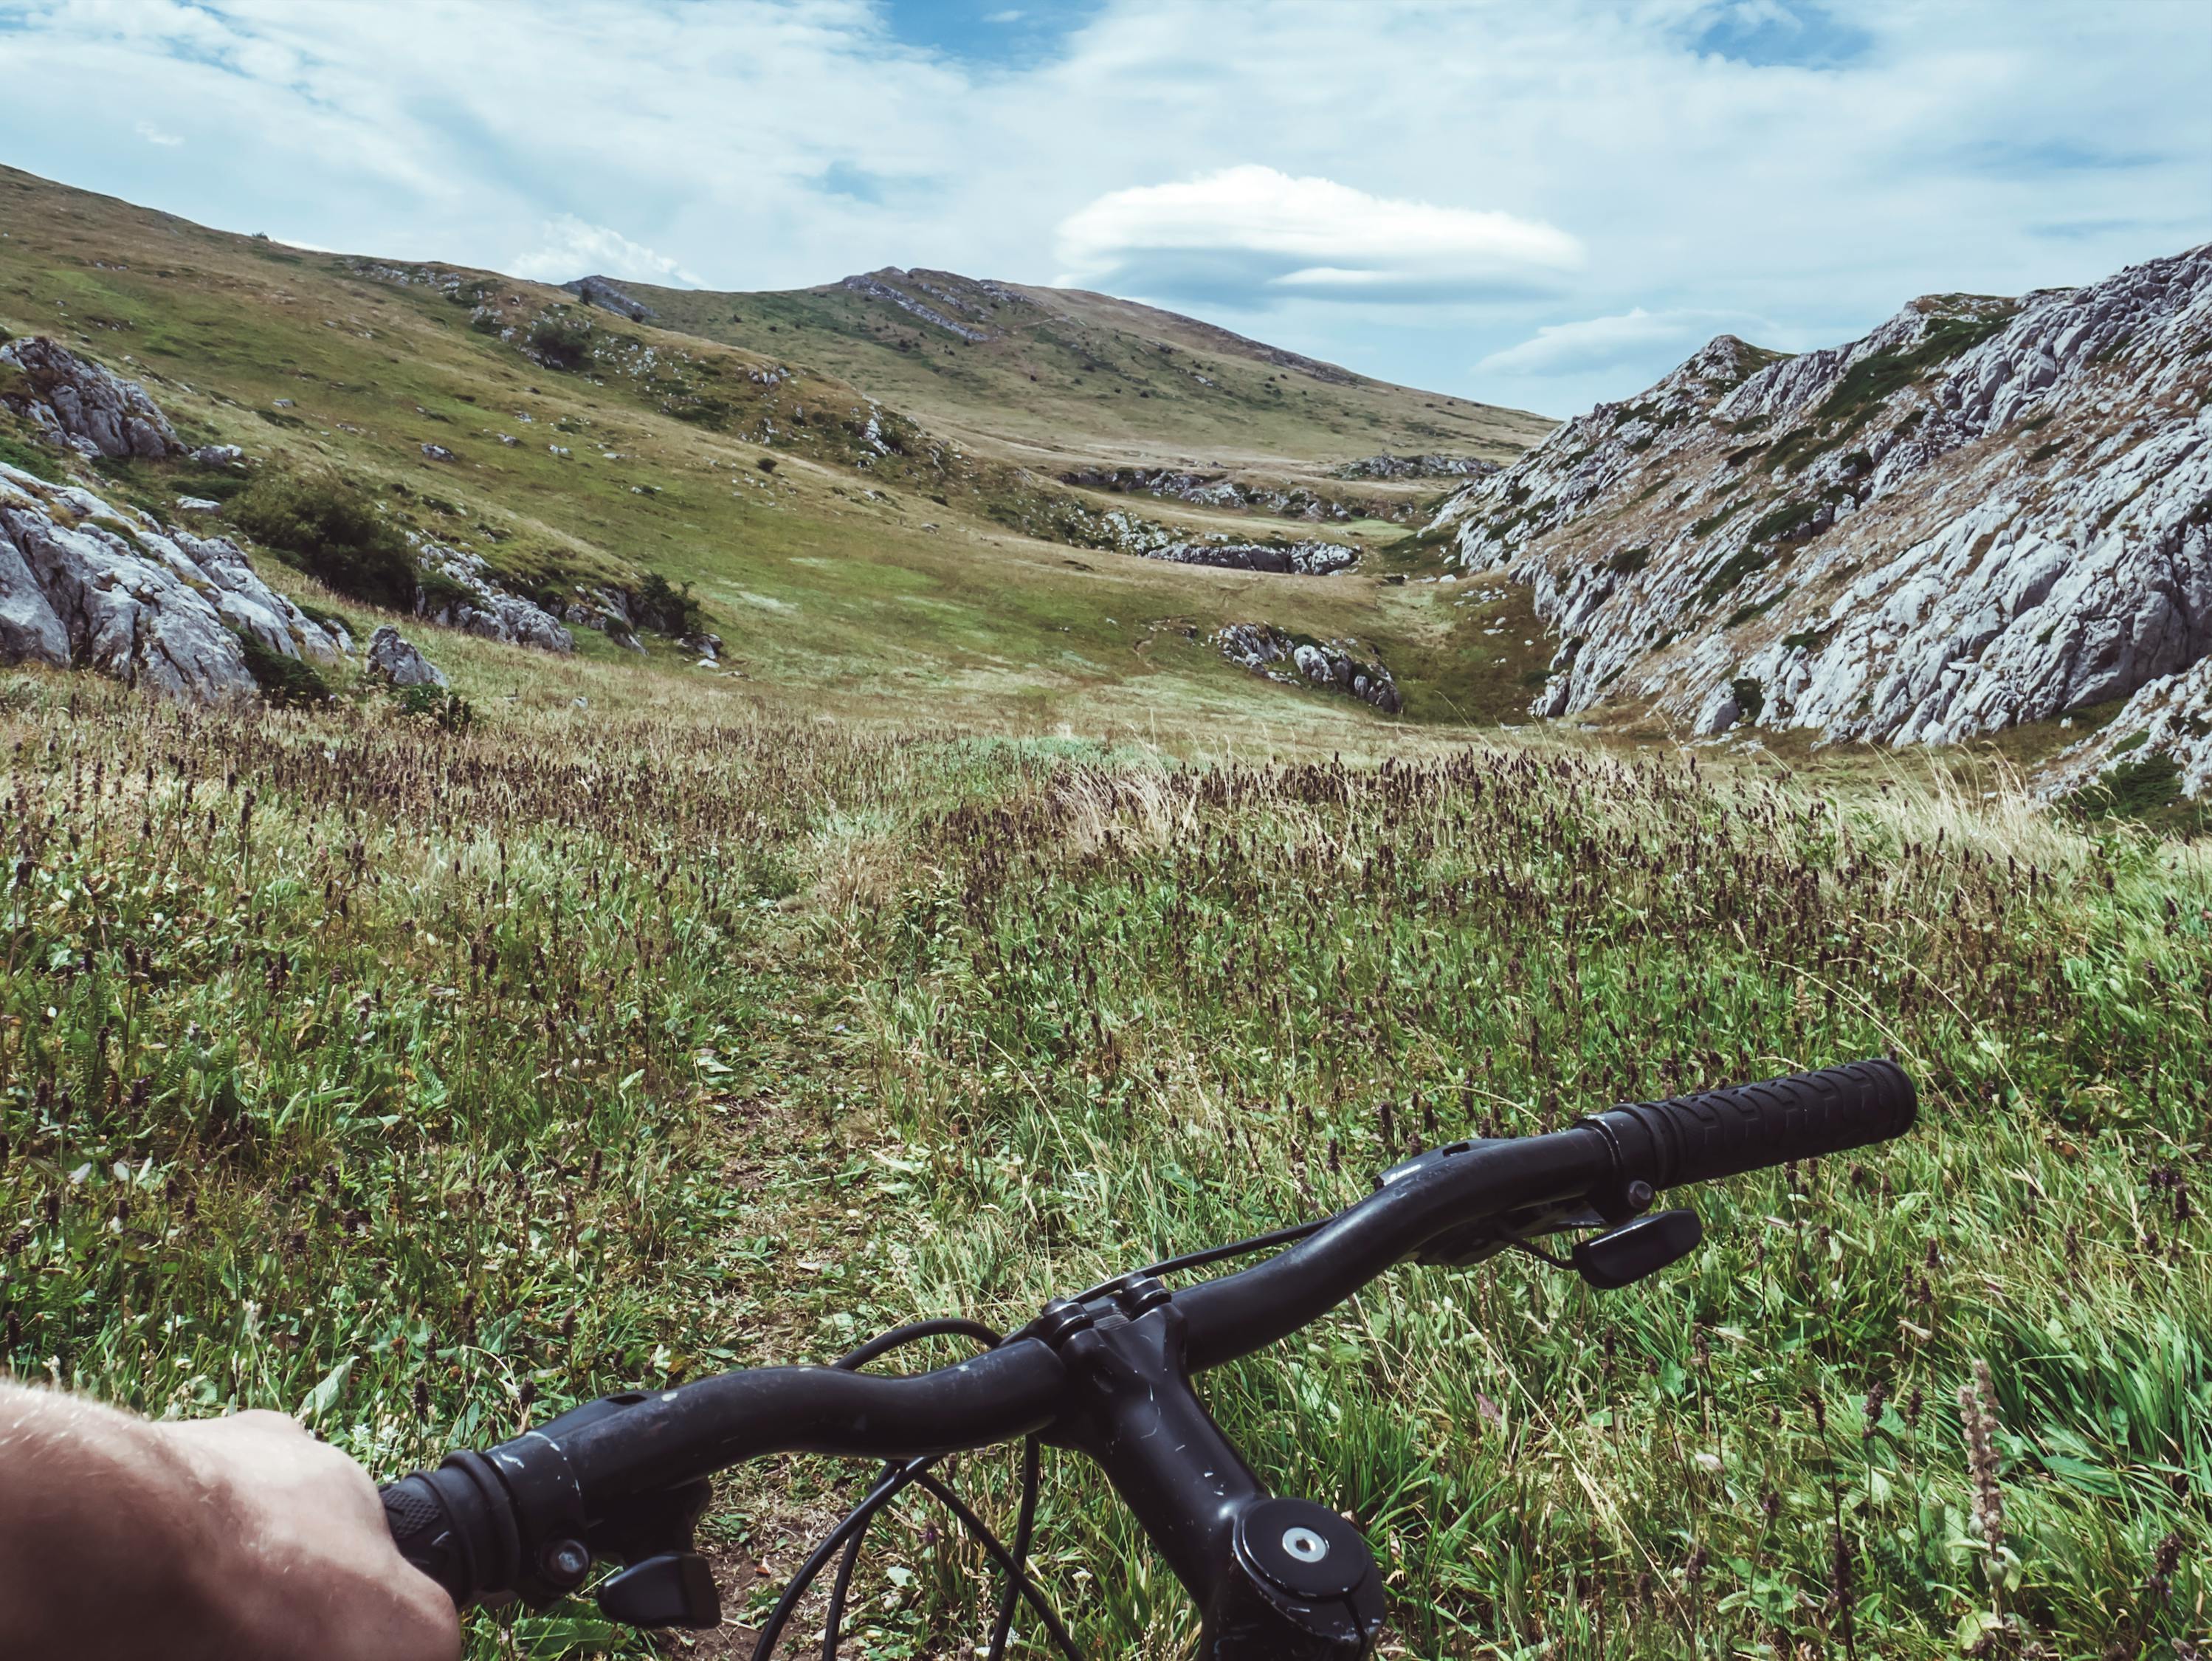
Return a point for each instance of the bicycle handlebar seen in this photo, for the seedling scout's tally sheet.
(604, 1479)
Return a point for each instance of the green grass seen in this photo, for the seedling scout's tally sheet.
(424, 1082)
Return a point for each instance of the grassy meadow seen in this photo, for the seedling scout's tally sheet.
(422, 1082)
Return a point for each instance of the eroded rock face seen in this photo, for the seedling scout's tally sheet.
(83, 585)
(2171, 717)
(82, 405)
(467, 601)
(1342, 665)
(1985, 512)
(392, 658)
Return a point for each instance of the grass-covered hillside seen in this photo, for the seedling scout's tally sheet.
(422, 1082)
(1062, 377)
(850, 554)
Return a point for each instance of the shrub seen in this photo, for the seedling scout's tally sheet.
(561, 342)
(766, 463)
(664, 608)
(29, 459)
(449, 710)
(285, 681)
(1750, 697)
(1629, 561)
(332, 532)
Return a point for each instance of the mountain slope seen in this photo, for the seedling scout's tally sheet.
(1059, 377)
(850, 556)
(1987, 512)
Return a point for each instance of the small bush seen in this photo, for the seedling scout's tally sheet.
(766, 463)
(449, 710)
(284, 681)
(332, 532)
(28, 458)
(561, 342)
(1750, 697)
(1629, 561)
(664, 608)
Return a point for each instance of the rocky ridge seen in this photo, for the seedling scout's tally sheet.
(85, 585)
(1422, 466)
(1985, 512)
(1221, 491)
(603, 292)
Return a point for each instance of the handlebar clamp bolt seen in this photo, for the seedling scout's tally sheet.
(565, 1563)
(1142, 1291)
(1063, 1317)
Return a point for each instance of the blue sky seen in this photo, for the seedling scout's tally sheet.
(1538, 204)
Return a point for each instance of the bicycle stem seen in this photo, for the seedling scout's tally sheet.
(1273, 1577)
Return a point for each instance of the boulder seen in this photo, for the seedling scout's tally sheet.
(437, 453)
(82, 405)
(83, 586)
(1342, 665)
(466, 599)
(219, 455)
(391, 658)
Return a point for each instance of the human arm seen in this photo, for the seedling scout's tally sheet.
(234, 1539)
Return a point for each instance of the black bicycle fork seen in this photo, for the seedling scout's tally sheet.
(1272, 1577)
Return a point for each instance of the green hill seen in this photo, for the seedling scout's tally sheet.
(854, 552)
(1059, 376)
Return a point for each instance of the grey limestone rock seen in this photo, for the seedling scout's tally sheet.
(81, 405)
(391, 657)
(1983, 512)
(603, 292)
(81, 586)
(466, 599)
(1341, 666)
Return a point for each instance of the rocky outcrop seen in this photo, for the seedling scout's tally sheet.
(1342, 665)
(83, 585)
(82, 405)
(2170, 717)
(1425, 466)
(1221, 491)
(1056, 516)
(454, 593)
(603, 292)
(889, 285)
(1985, 512)
(1305, 559)
(392, 658)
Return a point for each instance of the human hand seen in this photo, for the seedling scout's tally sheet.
(303, 1562)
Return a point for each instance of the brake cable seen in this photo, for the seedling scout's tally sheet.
(894, 1479)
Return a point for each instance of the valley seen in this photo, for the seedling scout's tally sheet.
(569, 839)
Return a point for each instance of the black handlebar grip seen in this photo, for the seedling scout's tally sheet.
(457, 1525)
(1724, 1133)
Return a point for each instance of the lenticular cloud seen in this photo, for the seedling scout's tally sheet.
(1253, 230)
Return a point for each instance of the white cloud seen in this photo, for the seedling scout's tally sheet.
(572, 248)
(1433, 187)
(1636, 338)
(153, 135)
(1253, 229)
